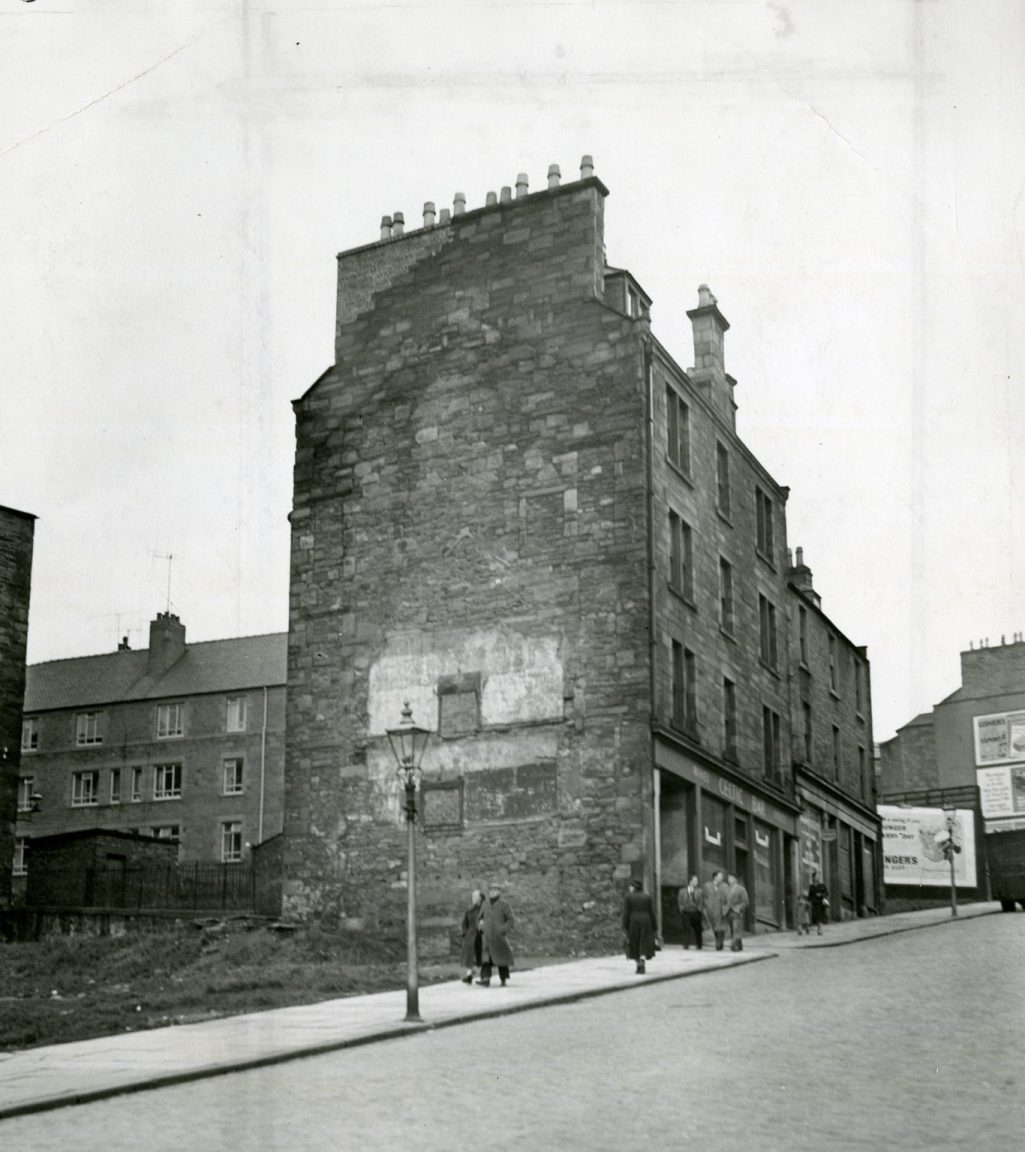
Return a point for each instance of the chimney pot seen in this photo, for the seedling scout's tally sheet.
(800, 557)
(506, 194)
(554, 175)
(586, 167)
(429, 214)
(459, 204)
(385, 227)
(491, 198)
(446, 216)
(521, 184)
(398, 222)
(705, 297)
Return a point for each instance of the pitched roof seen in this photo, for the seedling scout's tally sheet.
(118, 677)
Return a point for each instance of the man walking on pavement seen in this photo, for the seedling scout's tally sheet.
(715, 909)
(691, 902)
(736, 910)
(498, 922)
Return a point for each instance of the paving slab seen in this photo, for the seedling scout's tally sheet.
(55, 1076)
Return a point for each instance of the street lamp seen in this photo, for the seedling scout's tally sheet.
(950, 848)
(408, 743)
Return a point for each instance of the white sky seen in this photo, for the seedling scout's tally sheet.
(176, 179)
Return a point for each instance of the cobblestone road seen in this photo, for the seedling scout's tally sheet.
(908, 1042)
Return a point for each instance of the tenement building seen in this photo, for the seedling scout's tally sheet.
(513, 509)
(17, 531)
(183, 741)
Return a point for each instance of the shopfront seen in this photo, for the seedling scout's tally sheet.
(710, 821)
(841, 844)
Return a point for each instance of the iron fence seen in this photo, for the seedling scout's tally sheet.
(189, 886)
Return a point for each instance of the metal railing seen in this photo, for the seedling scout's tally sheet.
(191, 886)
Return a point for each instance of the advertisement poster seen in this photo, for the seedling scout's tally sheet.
(1002, 791)
(913, 847)
(811, 845)
(999, 738)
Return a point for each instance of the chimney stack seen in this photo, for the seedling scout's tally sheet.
(521, 185)
(398, 224)
(459, 204)
(123, 645)
(800, 576)
(709, 372)
(166, 642)
(429, 214)
(385, 227)
(554, 175)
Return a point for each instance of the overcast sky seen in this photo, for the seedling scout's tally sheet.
(847, 175)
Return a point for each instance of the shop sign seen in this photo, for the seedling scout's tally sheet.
(1002, 791)
(913, 847)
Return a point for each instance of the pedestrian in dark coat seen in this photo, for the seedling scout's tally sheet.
(470, 957)
(818, 898)
(639, 925)
(715, 908)
(736, 910)
(498, 922)
(691, 902)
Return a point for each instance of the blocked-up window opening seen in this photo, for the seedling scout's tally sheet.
(442, 804)
(459, 704)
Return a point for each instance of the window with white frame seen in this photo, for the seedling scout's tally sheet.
(85, 788)
(88, 729)
(30, 734)
(232, 775)
(167, 831)
(236, 714)
(170, 720)
(231, 841)
(167, 781)
(20, 855)
(26, 787)
(115, 785)
(136, 785)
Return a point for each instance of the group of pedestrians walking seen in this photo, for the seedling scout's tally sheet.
(720, 905)
(486, 927)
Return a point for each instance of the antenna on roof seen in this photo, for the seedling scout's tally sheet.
(169, 557)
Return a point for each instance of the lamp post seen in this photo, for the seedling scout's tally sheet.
(408, 743)
(950, 850)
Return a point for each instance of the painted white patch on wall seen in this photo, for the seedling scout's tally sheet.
(521, 676)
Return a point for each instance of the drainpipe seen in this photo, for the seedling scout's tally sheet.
(652, 776)
(263, 767)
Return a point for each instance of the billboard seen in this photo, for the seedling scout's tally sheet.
(913, 846)
(1002, 791)
(999, 738)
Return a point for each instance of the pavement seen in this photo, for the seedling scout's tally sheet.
(56, 1076)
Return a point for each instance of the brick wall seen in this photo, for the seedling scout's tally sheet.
(16, 537)
(470, 501)
(60, 866)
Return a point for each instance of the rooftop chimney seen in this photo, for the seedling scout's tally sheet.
(709, 373)
(429, 214)
(586, 167)
(554, 175)
(166, 642)
(123, 645)
(398, 223)
(521, 184)
(385, 227)
(800, 576)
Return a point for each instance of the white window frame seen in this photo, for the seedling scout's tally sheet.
(238, 722)
(164, 789)
(166, 831)
(136, 795)
(115, 792)
(82, 796)
(236, 766)
(230, 830)
(87, 728)
(26, 788)
(30, 734)
(21, 855)
(171, 720)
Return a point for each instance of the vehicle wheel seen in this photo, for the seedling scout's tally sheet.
(1006, 905)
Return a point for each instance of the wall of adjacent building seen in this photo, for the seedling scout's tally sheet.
(16, 539)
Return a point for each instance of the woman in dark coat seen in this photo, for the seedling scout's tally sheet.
(639, 925)
(818, 897)
(470, 957)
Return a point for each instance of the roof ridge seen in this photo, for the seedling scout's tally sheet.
(143, 651)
